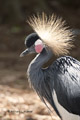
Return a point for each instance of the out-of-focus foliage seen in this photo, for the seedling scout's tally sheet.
(17, 10)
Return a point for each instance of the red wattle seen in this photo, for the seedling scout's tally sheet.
(39, 48)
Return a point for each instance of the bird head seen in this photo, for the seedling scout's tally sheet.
(50, 31)
(34, 44)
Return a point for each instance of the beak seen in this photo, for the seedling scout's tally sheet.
(25, 52)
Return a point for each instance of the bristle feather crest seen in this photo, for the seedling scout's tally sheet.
(53, 32)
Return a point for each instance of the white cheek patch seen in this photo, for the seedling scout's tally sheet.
(39, 46)
(38, 42)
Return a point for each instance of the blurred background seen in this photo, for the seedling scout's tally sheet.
(15, 93)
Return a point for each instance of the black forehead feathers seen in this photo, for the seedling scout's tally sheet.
(30, 39)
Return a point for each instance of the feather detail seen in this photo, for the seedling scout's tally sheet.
(53, 32)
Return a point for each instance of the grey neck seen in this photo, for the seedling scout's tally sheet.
(34, 71)
(41, 58)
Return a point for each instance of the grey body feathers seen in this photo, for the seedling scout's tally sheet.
(63, 76)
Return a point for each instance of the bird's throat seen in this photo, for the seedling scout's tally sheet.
(41, 59)
(36, 64)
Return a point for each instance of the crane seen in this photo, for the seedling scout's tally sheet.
(59, 83)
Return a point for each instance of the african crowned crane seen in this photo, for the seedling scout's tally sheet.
(59, 84)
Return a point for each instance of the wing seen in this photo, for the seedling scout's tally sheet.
(66, 74)
(45, 90)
